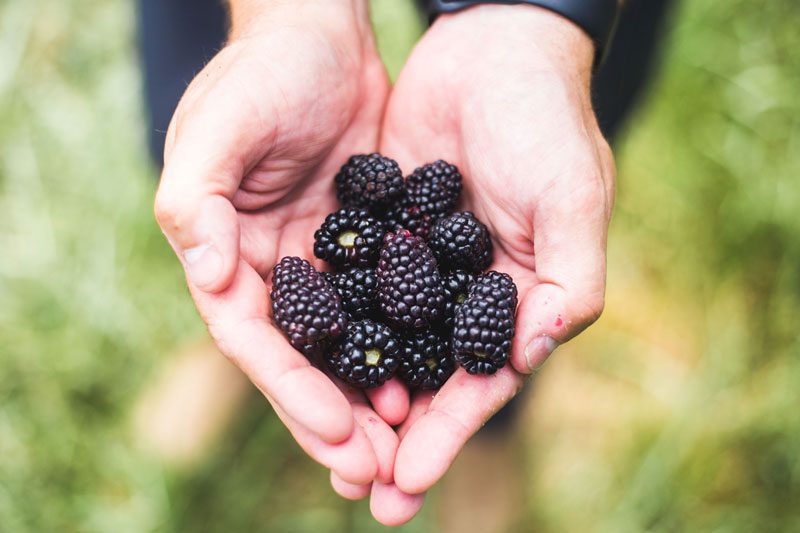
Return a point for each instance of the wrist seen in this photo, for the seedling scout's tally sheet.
(251, 17)
(534, 36)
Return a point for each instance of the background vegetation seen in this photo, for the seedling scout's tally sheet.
(678, 411)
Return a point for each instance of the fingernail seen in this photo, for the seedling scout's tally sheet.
(537, 352)
(203, 265)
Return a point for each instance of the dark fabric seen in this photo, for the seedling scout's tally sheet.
(630, 62)
(596, 17)
(176, 39)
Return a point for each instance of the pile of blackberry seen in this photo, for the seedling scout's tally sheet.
(408, 294)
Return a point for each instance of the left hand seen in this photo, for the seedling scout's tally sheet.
(503, 93)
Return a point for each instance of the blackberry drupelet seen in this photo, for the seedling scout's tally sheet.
(358, 291)
(435, 188)
(410, 292)
(349, 236)
(305, 306)
(456, 288)
(368, 355)
(372, 181)
(461, 241)
(407, 215)
(484, 324)
(426, 360)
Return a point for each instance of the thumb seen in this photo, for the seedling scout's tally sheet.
(570, 235)
(202, 172)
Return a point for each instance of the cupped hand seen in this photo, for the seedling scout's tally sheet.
(249, 160)
(503, 93)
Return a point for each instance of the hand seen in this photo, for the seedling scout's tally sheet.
(249, 160)
(503, 92)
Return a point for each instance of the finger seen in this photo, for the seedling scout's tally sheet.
(390, 401)
(392, 507)
(212, 140)
(349, 490)
(419, 405)
(383, 439)
(570, 235)
(353, 459)
(456, 413)
(238, 320)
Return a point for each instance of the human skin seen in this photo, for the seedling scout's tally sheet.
(501, 91)
(249, 157)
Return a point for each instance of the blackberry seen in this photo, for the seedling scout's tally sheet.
(461, 241)
(305, 306)
(407, 215)
(349, 236)
(426, 360)
(368, 355)
(456, 288)
(484, 324)
(372, 181)
(410, 292)
(358, 290)
(435, 188)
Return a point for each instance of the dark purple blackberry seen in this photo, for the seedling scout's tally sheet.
(349, 236)
(484, 324)
(456, 288)
(407, 215)
(368, 355)
(461, 241)
(410, 292)
(372, 181)
(435, 188)
(426, 360)
(305, 306)
(358, 290)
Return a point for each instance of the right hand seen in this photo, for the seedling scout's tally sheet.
(249, 159)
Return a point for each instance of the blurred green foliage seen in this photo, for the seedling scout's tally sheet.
(696, 360)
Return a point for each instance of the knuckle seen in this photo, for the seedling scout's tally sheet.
(591, 309)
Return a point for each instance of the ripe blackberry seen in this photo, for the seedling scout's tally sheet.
(461, 241)
(407, 215)
(435, 188)
(410, 291)
(349, 236)
(372, 181)
(456, 288)
(358, 290)
(426, 360)
(368, 355)
(305, 306)
(484, 324)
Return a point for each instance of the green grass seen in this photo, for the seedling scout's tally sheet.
(677, 412)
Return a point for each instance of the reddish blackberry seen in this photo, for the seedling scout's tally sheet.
(358, 290)
(410, 291)
(368, 355)
(426, 360)
(305, 306)
(372, 181)
(484, 324)
(435, 188)
(349, 236)
(461, 241)
(456, 288)
(407, 215)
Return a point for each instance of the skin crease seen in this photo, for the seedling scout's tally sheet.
(512, 109)
(247, 179)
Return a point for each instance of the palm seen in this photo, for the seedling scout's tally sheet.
(515, 142)
(270, 140)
